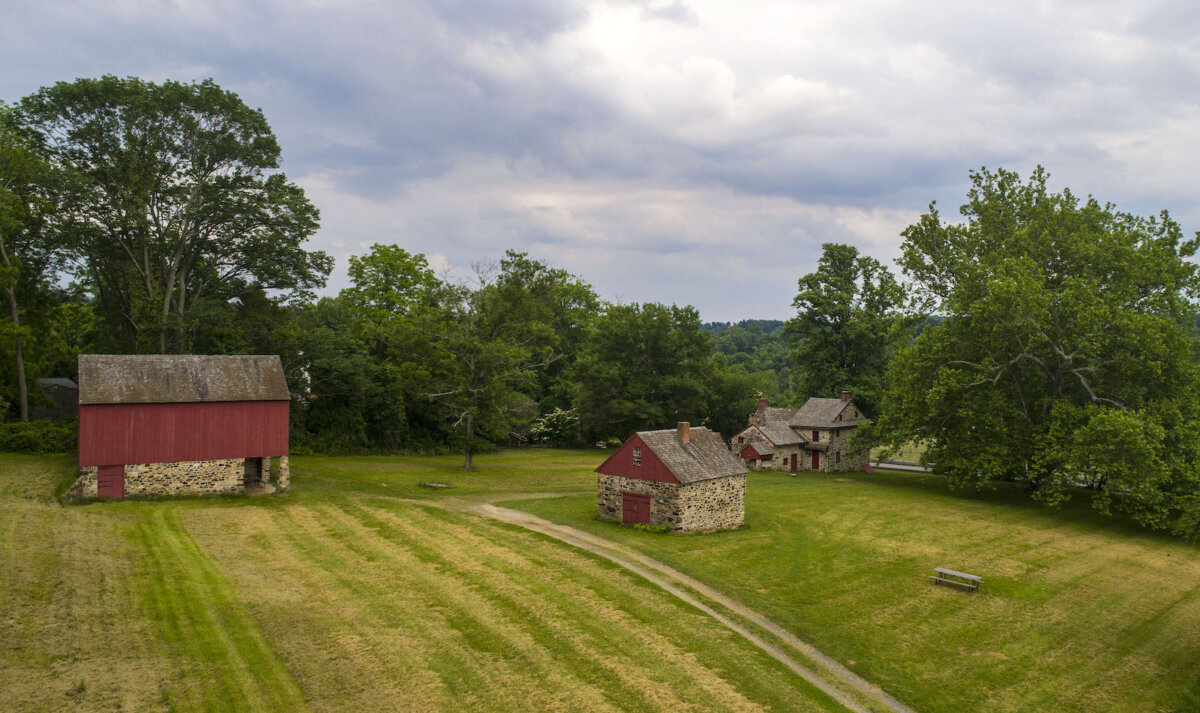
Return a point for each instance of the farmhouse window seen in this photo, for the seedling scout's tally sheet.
(741, 439)
(816, 436)
(637, 456)
(837, 457)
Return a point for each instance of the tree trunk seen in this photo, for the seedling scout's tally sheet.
(22, 388)
(469, 460)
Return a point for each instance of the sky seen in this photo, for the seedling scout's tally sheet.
(676, 151)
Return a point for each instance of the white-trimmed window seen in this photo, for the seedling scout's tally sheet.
(637, 456)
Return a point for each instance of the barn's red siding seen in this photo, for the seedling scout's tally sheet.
(621, 463)
(112, 434)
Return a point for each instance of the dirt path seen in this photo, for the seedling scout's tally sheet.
(839, 682)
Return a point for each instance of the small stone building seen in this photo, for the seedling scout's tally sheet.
(815, 436)
(684, 478)
(174, 425)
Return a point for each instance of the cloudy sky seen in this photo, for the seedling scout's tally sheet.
(665, 150)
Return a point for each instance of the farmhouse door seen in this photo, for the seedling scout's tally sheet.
(635, 508)
(794, 462)
(816, 462)
(110, 481)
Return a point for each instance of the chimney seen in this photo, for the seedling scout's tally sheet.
(845, 396)
(684, 431)
(762, 405)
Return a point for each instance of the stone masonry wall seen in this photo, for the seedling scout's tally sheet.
(186, 478)
(708, 505)
(664, 500)
(86, 486)
(718, 504)
(283, 479)
(839, 440)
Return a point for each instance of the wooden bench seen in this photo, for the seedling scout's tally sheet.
(968, 582)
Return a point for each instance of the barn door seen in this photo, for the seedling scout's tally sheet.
(635, 508)
(816, 460)
(110, 482)
(793, 462)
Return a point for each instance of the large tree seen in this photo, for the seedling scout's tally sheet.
(643, 366)
(176, 197)
(32, 251)
(848, 322)
(1067, 356)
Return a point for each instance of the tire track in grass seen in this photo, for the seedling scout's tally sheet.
(582, 601)
(491, 645)
(537, 621)
(196, 611)
(703, 597)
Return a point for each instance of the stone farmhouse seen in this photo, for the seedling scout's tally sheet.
(684, 478)
(815, 436)
(174, 425)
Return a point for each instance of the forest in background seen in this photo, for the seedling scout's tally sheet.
(1038, 337)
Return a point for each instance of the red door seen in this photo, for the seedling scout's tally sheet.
(635, 508)
(816, 463)
(110, 482)
(793, 462)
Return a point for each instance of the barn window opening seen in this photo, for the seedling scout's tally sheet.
(637, 456)
(837, 457)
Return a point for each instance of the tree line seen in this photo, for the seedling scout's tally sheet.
(1038, 338)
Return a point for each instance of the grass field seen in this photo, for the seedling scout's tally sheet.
(357, 593)
(344, 598)
(1078, 612)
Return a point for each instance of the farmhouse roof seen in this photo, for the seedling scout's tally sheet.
(704, 456)
(777, 413)
(821, 413)
(780, 433)
(160, 378)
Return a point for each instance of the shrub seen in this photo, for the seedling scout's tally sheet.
(39, 437)
(657, 529)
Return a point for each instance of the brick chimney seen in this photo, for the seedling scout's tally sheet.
(762, 405)
(845, 396)
(684, 431)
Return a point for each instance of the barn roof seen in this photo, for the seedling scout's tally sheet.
(820, 413)
(704, 457)
(160, 378)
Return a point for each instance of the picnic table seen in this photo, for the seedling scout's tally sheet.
(969, 582)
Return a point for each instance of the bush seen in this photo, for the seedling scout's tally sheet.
(656, 529)
(39, 437)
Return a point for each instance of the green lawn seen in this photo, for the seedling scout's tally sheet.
(342, 597)
(1079, 612)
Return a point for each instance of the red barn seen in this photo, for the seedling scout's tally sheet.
(684, 478)
(168, 425)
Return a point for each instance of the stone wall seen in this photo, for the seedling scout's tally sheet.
(186, 478)
(86, 486)
(839, 441)
(717, 504)
(283, 478)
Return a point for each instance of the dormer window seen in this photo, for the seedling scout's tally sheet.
(637, 456)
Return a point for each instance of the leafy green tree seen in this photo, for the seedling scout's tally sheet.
(176, 198)
(491, 341)
(32, 252)
(643, 366)
(849, 320)
(1066, 357)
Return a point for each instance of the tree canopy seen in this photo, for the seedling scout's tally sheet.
(1067, 355)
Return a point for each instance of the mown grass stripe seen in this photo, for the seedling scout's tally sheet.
(204, 625)
(637, 604)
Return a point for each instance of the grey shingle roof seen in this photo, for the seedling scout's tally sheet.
(705, 457)
(780, 433)
(776, 413)
(158, 378)
(820, 413)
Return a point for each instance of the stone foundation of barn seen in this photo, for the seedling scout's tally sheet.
(717, 504)
(200, 477)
